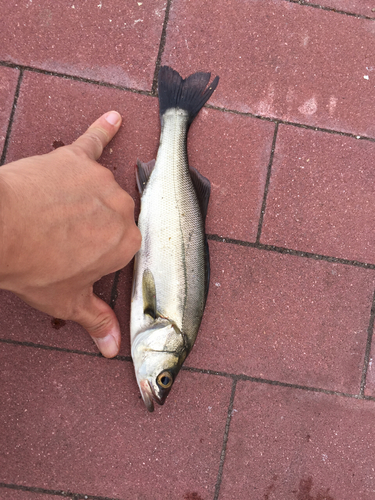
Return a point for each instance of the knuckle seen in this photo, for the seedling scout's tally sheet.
(127, 204)
(76, 151)
(137, 238)
(100, 324)
(94, 137)
(131, 202)
(131, 242)
(107, 174)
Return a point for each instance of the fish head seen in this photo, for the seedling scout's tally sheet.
(158, 354)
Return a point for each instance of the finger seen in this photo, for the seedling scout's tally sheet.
(98, 135)
(101, 323)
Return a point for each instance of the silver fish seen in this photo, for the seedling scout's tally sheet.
(171, 270)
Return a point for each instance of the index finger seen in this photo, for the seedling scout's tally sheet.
(98, 135)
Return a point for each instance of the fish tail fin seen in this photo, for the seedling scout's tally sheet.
(189, 94)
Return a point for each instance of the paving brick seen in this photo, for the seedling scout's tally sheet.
(114, 42)
(12, 494)
(285, 318)
(232, 151)
(320, 197)
(8, 84)
(77, 423)
(285, 443)
(279, 59)
(362, 7)
(22, 323)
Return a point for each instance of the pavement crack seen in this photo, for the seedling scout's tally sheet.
(11, 118)
(58, 493)
(234, 376)
(161, 48)
(114, 290)
(153, 94)
(225, 441)
(75, 78)
(290, 251)
(366, 361)
(267, 183)
(330, 9)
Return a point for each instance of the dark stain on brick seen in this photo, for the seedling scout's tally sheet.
(270, 488)
(268, 491)
(304, 491)
(57, 323)
(192, 496)
(57, 144)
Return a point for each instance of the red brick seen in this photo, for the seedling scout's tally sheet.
(77, 423)
(285, 318)
(233, 151)
(320, 197)
(286, 443)
(114, 42)
(8, 84)
(279, 59)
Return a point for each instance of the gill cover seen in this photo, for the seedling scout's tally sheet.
(158, 352)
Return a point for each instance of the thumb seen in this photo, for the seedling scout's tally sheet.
(101, 323)
(98, 135)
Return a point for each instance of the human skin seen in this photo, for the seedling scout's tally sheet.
(65, 223)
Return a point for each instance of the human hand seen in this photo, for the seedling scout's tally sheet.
(65, 223)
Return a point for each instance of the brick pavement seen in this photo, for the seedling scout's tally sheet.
(277, 399)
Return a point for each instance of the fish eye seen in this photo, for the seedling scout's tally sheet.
(165, 380)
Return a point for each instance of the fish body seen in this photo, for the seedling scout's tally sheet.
(171, 269)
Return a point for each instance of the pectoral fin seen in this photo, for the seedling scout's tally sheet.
(149, 293)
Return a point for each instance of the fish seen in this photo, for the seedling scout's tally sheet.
(171, 269)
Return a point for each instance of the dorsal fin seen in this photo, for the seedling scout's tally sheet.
(149, 293)
(203, 189)
(142, 173)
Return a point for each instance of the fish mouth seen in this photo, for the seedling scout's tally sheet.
(148, 395)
